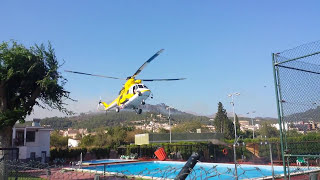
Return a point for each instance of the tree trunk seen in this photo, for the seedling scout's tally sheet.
(5, 142)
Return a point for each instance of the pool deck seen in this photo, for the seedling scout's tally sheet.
(111, 174)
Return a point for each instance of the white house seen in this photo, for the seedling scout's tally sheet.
(73, 142)
(33, 142)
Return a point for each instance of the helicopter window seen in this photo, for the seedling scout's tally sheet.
(145, 86)
(134, 89)
(140, 86)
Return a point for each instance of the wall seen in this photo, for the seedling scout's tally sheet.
(140, 139)
(41, 143)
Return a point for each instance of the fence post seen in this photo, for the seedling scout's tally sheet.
(48, 172)
(271, 160)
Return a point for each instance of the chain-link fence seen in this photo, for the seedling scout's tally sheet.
(297, 82)
(34, 170)
(256, 160)
(137, 170)
(261, 158)
(9, 154)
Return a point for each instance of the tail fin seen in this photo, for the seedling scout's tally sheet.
(104, 104)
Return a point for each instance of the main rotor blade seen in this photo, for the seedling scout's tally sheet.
(163, 79)
(93, 75)
(146, 63)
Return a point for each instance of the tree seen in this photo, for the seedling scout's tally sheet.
(130, 138)
(223, 124)
(246, 134)
(219, 120)
(163, 130)
(189, 127)
(228, 129)
(87, 141)
(57, 140)
(118, 135)
(101, 138)
(28, 77)
(78, 136)
(237, 124)
(268, 131)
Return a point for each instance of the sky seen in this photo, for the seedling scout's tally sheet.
(221, 47)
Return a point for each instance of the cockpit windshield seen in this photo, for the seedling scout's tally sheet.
(140, 86)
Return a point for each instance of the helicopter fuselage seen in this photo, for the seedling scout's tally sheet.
(131, 96)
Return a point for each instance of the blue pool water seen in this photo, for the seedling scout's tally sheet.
(100, 161)
(171, 169)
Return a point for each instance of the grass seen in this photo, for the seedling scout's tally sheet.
(20, 175)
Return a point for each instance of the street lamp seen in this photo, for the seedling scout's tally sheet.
(169, 122)
(235, 134)
(252, 123)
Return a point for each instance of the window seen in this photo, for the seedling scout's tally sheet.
(140, 86)
(19, 141)
(31, 136)
(134, 89)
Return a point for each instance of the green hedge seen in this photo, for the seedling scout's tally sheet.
(67, 154)
(208, 150)
(100, 152)
(72, 154)
(211, 152)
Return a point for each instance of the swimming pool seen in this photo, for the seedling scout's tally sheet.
(102, 161)
(169, 169)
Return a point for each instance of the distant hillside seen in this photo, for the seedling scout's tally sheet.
(162, 109)
(309, 115)
(95, 120)
(244, 118)
(126, 117)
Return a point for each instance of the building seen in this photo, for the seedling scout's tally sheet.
(33, 141)
(72, 133)
(244, 123)
(73, 142)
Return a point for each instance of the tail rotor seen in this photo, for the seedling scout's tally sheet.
(100, 106)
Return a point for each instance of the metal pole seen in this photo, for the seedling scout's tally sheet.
(279, 115)
(271, 160)
(235, 141)
(80, 163)
(253, 128)
(289, 176)
(294, 59)
(170, 124)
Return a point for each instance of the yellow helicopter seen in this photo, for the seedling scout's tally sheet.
(133, 93)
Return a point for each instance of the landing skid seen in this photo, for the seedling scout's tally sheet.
(138, 111)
